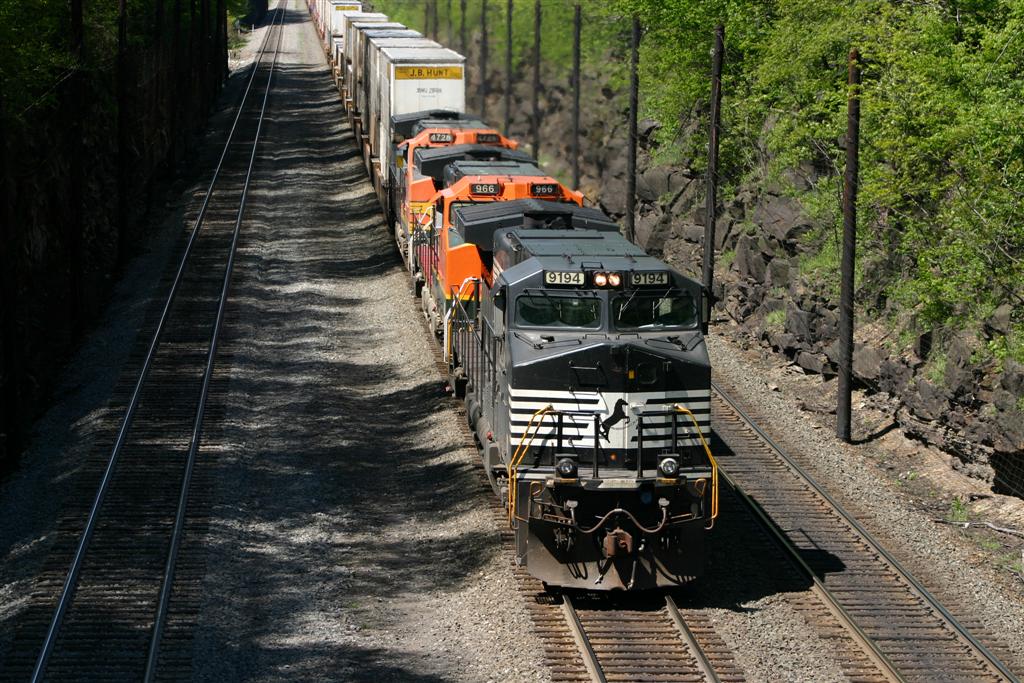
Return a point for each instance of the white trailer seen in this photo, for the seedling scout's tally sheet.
(413, 79)
(365, 36)
(356, 54)
(367, 60)
(373, 59)
(347, 19)
(337, 9)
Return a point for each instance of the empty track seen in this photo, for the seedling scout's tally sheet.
(104, 617)
(889, 610)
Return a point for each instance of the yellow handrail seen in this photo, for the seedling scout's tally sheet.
(711, 459)
(521, 450)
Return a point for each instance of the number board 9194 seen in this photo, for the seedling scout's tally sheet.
(648, 279)
(564, 278)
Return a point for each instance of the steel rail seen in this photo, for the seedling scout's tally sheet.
(701, 657)
(916, 585)
(71, 580)
(179, 520)
(582, 642)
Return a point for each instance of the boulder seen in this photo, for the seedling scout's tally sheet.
(959, 375)
(652, 230)
(1012, 379)
(926, 400)
(867, 362)
(893, 376)
(798, 322)
(750, 260)
(724, 238)
(998, 324)
(814, 363)
(778, 272)
(781, 217)
(783, 341)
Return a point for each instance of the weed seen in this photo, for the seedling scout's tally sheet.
(935, 369)
(990, 544)
(775, 319)
(727, 257)
(957, 511)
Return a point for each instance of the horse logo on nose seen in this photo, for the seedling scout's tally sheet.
(617, 416)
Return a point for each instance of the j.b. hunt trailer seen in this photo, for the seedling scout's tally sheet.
(410, 80)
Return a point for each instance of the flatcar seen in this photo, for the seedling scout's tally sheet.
(581, 359)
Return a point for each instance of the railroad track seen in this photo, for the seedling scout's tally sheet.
(905, 629)
(106, 616)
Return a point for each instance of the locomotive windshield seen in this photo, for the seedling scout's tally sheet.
(660, 310)
(547, 310)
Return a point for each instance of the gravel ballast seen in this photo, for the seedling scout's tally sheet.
(351, 538)
(868, 478)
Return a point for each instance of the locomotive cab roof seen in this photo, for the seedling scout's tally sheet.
(480, 224)
(432, 161)
(405, 124)
(427, 124)
(458, 170)
(531, 252)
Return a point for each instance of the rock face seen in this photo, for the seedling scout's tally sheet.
(946, 398)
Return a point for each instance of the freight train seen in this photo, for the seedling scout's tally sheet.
(581, 359)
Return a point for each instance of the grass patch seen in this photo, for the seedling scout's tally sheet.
(935, 368)
(775, 320)
(957, 511)
(727, 257)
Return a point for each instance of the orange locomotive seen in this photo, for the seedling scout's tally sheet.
(444, 258)
(413, 188)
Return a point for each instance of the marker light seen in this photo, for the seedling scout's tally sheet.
(668, 468)
(600, 279)
(566, 468)
(614, 279)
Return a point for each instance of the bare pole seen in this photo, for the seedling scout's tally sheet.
(462, 26)
(711, 200)
(426, 18)
(122, 129)
(535, 123)
(577, 28)
(434, 21)
(508, 68)
(483, 59)
(850, 181)
(634, 87)
(448, 19)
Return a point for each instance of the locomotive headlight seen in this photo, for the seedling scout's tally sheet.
(614, 279)
(600, 279)
(668, 468)
(566, 468)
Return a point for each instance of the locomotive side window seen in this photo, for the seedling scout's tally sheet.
(649, 310)
(544, 310)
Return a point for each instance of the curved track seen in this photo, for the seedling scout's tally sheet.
(890, 611)
(113, 602)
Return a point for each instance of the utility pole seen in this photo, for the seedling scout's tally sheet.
(711, 199)
(577, 27)
(462, 26)
(122, 128)
(483, 59)
(508, 68)
(535, 124)
(634, 88)
(850, 182)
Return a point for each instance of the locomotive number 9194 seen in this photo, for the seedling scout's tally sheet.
(648, 279)
(572, 278)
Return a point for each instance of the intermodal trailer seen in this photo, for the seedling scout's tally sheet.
(414, 79)
(352, 29)
(356, 53)
(347, 19)
(335, 38)
(373, 52)
(361, 64)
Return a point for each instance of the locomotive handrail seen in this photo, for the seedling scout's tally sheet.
(450, 314)
(521, 450)
(711, 459)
